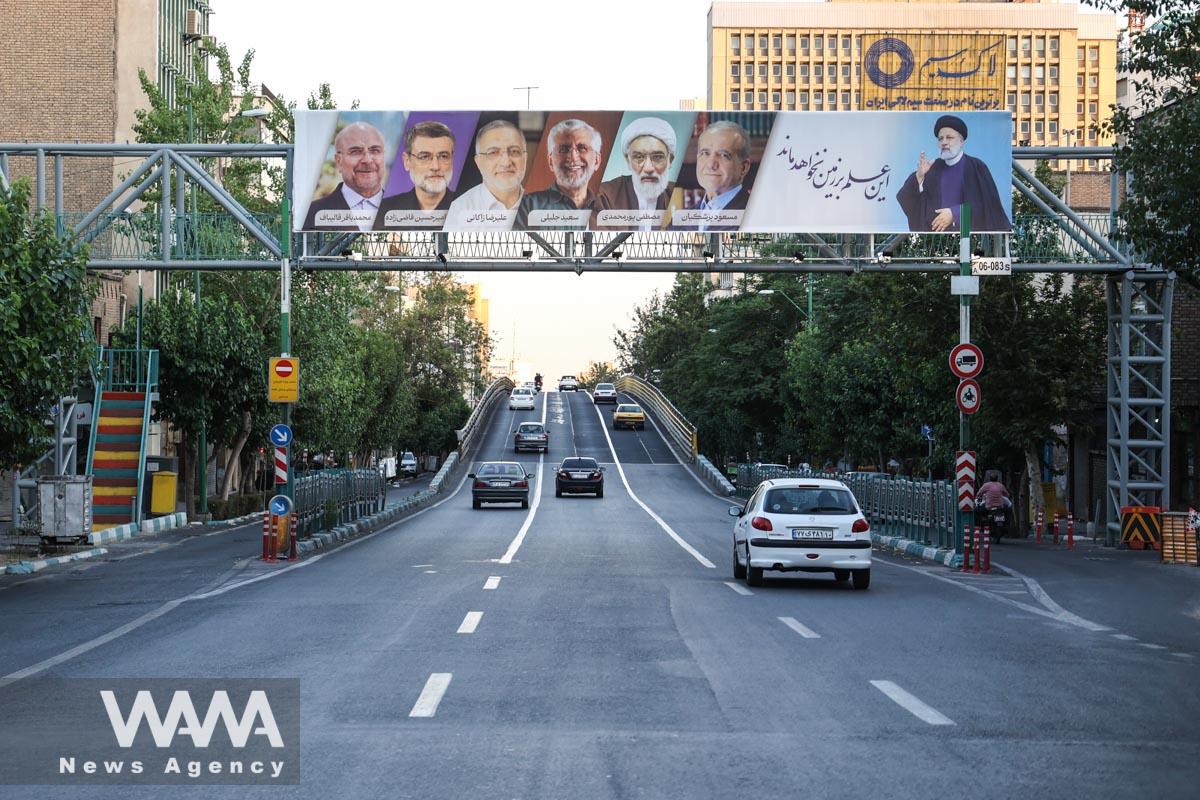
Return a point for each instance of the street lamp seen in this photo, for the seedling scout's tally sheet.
(808, 315)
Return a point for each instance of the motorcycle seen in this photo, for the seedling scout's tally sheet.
(997, 520)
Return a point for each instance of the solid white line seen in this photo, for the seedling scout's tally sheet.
(737, 587)
(686, 469)
(1124, 637)
(1061, 613)
(470, 622)
(515, 545)
(492, 582)
(1149, 646)
(1183, 655)
(662, 524)
(431, 695)
(911, 704)
(806, 632)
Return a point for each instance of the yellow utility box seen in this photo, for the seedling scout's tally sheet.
(162, 492)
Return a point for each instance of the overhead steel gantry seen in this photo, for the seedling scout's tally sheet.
(124, 232)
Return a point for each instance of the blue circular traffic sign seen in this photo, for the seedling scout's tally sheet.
(281, 505)
(281, 435)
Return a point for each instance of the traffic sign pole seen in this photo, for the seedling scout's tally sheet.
(964, 336)
(285, 325)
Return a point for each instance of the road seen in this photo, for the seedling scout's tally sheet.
(599, 648)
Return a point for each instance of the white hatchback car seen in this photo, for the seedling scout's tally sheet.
(520, 398)
(802, 525)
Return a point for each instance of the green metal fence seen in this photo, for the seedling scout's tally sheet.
(894, 505)
(330, 497)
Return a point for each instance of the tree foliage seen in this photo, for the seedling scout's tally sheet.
(44, 341)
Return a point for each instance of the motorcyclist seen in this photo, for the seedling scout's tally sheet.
(537, 381)
(992, 496)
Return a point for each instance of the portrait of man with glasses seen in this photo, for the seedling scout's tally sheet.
(573, 149)
(428, 159)
(648, 144)
(353, 205)
(501, 156)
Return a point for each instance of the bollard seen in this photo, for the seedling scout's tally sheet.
(978, 549)
(1055, 524)
(966, 548)
(292, 539)
(987, 552)
(266, 554)
(1070, 530)
(1040, 520)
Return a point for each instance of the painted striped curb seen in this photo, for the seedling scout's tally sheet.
(942, 556)
(714, 476)
(115, 534)
(157, 524)
(28, 567)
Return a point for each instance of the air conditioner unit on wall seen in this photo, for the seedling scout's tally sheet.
(191, 25)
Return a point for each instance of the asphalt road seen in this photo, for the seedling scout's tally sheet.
(599, 648)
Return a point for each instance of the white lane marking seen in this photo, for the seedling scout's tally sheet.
(92, 644)
(421, 566)
(1044, 599)
(571, 422)
(1124, 637)
(686, 469)
(431, 695)
(644, 448)
(430, 571)
(1149, 646)
(803, 630)
(737, 587)
(911, 704)
(662, 524)
(1183, 655)
(515, 545)
(1067, 617)
(470, 622)
(492, 582)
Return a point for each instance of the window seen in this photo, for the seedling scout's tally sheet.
(762, 44)
(819, 44)
(1011, 100)
(833, 73)
(1079, 81)
(735, 43)
(776, 71)
(748, 98)
(1025, 70)
(857, 72)
(1092, 108)
(791, 97)
(762, 70)
(1054, 45)
(762, 98)
(1053, 127)
(735, 71)
(1079, 108)
(1039, 74)
(775, 99)
(831, 98)
(1094, 54)
(1012, 73)
(804, 73)
(1024, 126)
(804, 98)
(1054, 74)
(1093, 80)
(845, 73)
(1012, 45)
(733, 97)
(1037, 127)
(791, 44)
(1025, 100)
(1039, 45)
(804, 45)
(819, 72)
(846, 45)
(1039, 100)
(1054, 101)
(818, 99)
(832, 44)
(1079, 54)
(777, 44)
(857, 100)
(845, 99)
(858, 44)
(1025, 45)
(791, 73)
(1092, 133)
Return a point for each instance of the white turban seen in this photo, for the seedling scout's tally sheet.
(649, 126)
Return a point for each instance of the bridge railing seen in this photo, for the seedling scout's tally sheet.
(467, 435)
(922, 511)
(678, 430)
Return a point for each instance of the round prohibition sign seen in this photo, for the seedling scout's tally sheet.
(283, 368)
(968, 397)
(966, 361)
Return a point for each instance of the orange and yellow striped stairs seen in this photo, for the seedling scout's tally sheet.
(119, 437)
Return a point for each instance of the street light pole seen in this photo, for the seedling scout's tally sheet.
(808, 315)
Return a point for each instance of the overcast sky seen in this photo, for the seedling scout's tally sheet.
(467, 54)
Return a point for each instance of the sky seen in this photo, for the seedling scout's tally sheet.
(467, 54)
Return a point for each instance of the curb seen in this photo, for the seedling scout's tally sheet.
(941, 556)
(714, 476)
(373, 522)
(29, 567)
(132, 529)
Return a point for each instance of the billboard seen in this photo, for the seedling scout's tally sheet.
(771, 172)
(933, 72)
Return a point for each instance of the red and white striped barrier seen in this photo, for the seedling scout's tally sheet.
(1040, 522)
(978, 549)
(1070, 531)
(966, 567)
(1056, 523)
(987, 550)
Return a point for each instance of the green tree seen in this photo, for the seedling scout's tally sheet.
(44, 341)
(1157, 134)
(598, 372)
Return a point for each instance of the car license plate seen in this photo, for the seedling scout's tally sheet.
(811, 533)
(501, 483)
(578, 475)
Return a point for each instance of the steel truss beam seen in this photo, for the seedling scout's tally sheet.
(1138, 412)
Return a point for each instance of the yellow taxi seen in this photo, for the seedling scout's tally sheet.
(628, 415)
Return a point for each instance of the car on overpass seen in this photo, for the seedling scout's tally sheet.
(579, 475)
(500, 482)
(521, 398)
(531, 436)
(628, 415)
(801, 525)
(568, 383)
(604, 393)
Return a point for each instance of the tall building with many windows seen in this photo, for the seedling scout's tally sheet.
(1058, 63)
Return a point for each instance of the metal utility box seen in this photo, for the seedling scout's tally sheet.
(65, 502)
(154, 488)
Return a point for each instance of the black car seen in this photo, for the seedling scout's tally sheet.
(531, 436)
(500, 482)
(579, 475)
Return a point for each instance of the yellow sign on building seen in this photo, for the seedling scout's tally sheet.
(933, 72)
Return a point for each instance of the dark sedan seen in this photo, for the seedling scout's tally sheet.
(500, 482)
(579, 475)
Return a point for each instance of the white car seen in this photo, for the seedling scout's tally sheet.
(408, 464)
(604, 393)
(802, 525)
(530, 385)
(568, 383)
(520, 398)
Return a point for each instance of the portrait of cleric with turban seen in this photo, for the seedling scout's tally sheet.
(932, 194)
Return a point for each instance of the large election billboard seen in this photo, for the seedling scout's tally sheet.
(770, 172)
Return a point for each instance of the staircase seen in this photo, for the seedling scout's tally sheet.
(121, 422)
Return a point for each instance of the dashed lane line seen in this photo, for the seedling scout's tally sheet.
(492, 582)
(470, 622)
(693, 552)
(911, 704)
(737, 587)
(431, 695)
(798, 627)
